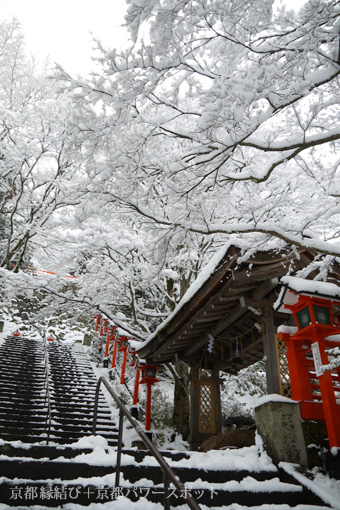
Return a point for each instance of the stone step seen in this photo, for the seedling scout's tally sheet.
(24, 414)
(5, 382)
(22, 426)
(59, 419)
(39, 437)
(79, 393)
(86, 381)
(77, 412)
(21, 392)
(42, 451)
(24, 407)
(22, 357)
(76, 406)
(21, 400)
(13, 366)
(33, 435)
(59, 430)
(135, 472)
(22, 373)
(49, 469)
(26, 353)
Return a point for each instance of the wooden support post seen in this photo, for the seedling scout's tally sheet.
(217, 400)
(269, 343)
(205, 407)
(194, 408)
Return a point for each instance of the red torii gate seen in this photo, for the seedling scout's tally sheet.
(145, 373)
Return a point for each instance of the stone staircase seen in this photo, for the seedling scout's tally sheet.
(23, 397)
(40, 475)
(57, 475)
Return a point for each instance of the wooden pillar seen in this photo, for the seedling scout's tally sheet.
(269, 343)
(217, 399)
(194, 409)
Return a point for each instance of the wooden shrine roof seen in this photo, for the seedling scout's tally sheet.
(228, 305)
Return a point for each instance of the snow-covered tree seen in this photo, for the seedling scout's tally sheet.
(222, 118)
(37, 160)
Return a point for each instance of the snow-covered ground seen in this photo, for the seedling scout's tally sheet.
(252, 458)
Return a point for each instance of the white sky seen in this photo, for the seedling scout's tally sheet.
(62, 29)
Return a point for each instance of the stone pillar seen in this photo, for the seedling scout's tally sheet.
(278, 422)
(87, 339)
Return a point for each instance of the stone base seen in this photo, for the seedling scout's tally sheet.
(316, 441)
(278, 422)
(331, 462)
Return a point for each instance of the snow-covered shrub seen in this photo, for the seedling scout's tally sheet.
(161, 409)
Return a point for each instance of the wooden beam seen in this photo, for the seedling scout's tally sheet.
(261, 303)
(237, 312)
(185, 329)
(258, 273)
(263, 289)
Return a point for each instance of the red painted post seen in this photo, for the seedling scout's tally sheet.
(136, 388)
(331, 409)
(149, 378)
(114, 354)
(98, 320)
(122, 377)
(298, 370)
(148, 407)
(110, 335)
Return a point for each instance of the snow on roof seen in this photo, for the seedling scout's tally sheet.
(305, 288)
(203, 276)
(134, 344)
(302, 286)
